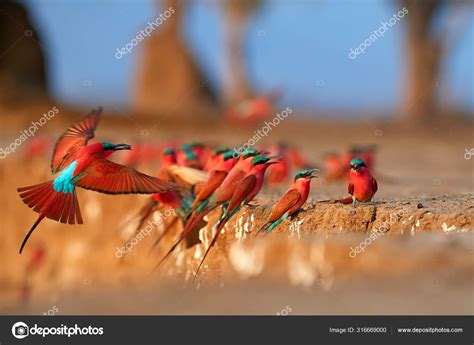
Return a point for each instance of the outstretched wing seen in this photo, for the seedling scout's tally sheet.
(111, 178)
(73, 139)
(286, 202)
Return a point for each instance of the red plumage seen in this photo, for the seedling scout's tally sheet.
(86, 168)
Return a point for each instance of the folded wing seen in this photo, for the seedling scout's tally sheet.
(242, 191)
(286, 202)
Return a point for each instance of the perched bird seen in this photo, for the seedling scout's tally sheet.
(245, 192)
(297, 159)
(222, 194)
(168, 199)
(291, 202)
(173, 199)
(250, 110)
(362, 186)
(223, 191)
(187, 158)
(84, 165)
(337, 166)
(201, 151)
(334, 167)
(215, 158)
(235, 175)
(279, 172)
(215, 179)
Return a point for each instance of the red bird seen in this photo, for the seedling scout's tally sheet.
(85, 166)
(222, 194)
(215, 158)
(335, 168)
(250, 110)
(291, 202)
(245, 192)
(279, 172)
(362, 185)
(215, 179)
(170, 198)
(202, 152)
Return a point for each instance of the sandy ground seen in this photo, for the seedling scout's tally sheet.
(422, 264)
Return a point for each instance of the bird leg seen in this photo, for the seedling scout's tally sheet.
(354, 202)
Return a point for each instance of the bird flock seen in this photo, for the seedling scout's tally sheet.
(193, 180)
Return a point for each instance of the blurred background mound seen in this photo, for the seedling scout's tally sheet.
(23, 68)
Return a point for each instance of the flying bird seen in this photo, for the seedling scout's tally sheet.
(291, 202)
(79, 164)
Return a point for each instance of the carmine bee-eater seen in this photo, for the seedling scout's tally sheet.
(215, 179)
(85, 166)
(224, 190)
(170, 198)
(291, 202)
(187, 158)
(201, 151)
(222, 194)
(215, 158)
(279, 172)
(245, 192)
(362, 186)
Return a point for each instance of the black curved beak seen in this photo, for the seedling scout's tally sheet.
(122, 147)
(313, 176)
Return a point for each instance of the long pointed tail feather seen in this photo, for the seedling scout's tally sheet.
(144, 213)
(191, 224)
(40, 218)
(347, 200)
(43, 199)
(226, 216)
(220, 225)
(165, 231)
(263, 228)
(173, 247)
(188, 228)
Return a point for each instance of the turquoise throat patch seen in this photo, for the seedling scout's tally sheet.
(62, 183)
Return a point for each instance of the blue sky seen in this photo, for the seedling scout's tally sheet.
(300, 46)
